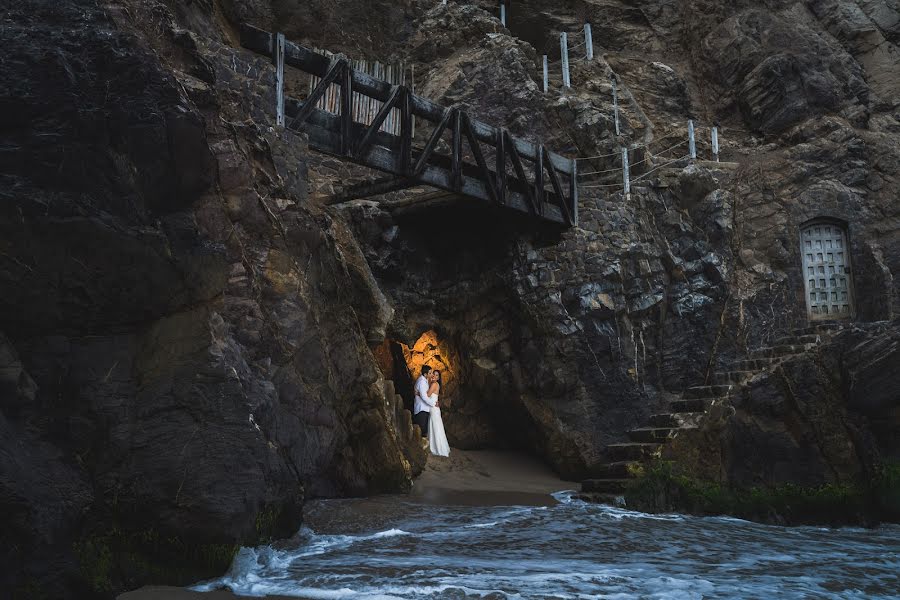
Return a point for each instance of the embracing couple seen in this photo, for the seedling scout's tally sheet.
(427, 411)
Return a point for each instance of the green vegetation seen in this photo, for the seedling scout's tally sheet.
(664, 488)
(267, 521)
(886, 491)
(115, 558)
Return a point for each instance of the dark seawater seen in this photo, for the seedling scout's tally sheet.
(391, 547)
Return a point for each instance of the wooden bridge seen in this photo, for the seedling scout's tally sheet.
(496, 168)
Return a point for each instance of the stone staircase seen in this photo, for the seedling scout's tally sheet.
(627, 459)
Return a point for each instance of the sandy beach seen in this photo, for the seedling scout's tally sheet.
(470, 478)
(487, 477)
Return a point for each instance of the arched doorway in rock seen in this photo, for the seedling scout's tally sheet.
(478, 407)
(826, 268)
(403, 364)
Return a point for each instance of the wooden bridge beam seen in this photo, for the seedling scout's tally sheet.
(367, 145)
(376, 187)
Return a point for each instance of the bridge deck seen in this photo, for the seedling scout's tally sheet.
(483, 162)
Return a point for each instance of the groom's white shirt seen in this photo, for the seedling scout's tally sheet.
(423, 403)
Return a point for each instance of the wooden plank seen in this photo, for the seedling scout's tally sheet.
(520, 172)
(375, 126)
(557, 188)
(405, 131)
(310, 105)
(474, 145)
(432, 142)
(368, 189)
(346, 109)
(500, 163)
(385, 159)
(573, 192)
(539, 193)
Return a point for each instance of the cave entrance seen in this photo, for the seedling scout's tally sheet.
(403, 364)
(479, 409)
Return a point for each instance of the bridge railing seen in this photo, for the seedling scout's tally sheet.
(497, 167)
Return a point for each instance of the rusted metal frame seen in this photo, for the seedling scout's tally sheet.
(520, 172)
(489, 182)
(432, 143)
(456, 152)
(309, 104)
(501, 166)
(379, 119)
(557, 188)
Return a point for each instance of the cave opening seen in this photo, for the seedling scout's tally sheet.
(402, 364)
(477, 413)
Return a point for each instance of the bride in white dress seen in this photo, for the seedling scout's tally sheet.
(437, 438)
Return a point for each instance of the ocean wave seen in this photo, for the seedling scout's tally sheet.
(569, 551)
(617, 513)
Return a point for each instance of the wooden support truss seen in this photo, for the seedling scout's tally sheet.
(460, 155)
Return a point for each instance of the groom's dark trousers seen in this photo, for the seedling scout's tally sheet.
(421, 419)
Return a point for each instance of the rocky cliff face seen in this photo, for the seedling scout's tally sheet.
(189, 338)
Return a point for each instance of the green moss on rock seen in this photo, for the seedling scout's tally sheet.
(116, 559)
(665, 488)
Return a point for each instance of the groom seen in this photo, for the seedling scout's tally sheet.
(423, 404)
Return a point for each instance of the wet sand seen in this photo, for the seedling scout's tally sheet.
(466, 478)
(487, 477)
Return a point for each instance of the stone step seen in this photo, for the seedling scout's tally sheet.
(605, 486)
(625, 469)
(826, 327)
(706, 391)
(755, 364)
(796, 340)
(733, 377)
(692, 405)
(651, 434)
(780, 351)
(680, 419)
(632, 451)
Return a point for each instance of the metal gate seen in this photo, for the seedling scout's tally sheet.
(826, 267)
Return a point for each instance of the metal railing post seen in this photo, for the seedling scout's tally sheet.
(546, 75)
(615, 104)
(279, 79)
(715, 142)
(626, 175)
(692, 142)
(588, 42)
(564, 50)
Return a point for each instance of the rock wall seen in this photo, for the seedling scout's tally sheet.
(189, 334)
(182, 362)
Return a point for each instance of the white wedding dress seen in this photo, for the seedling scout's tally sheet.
(437, 438)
